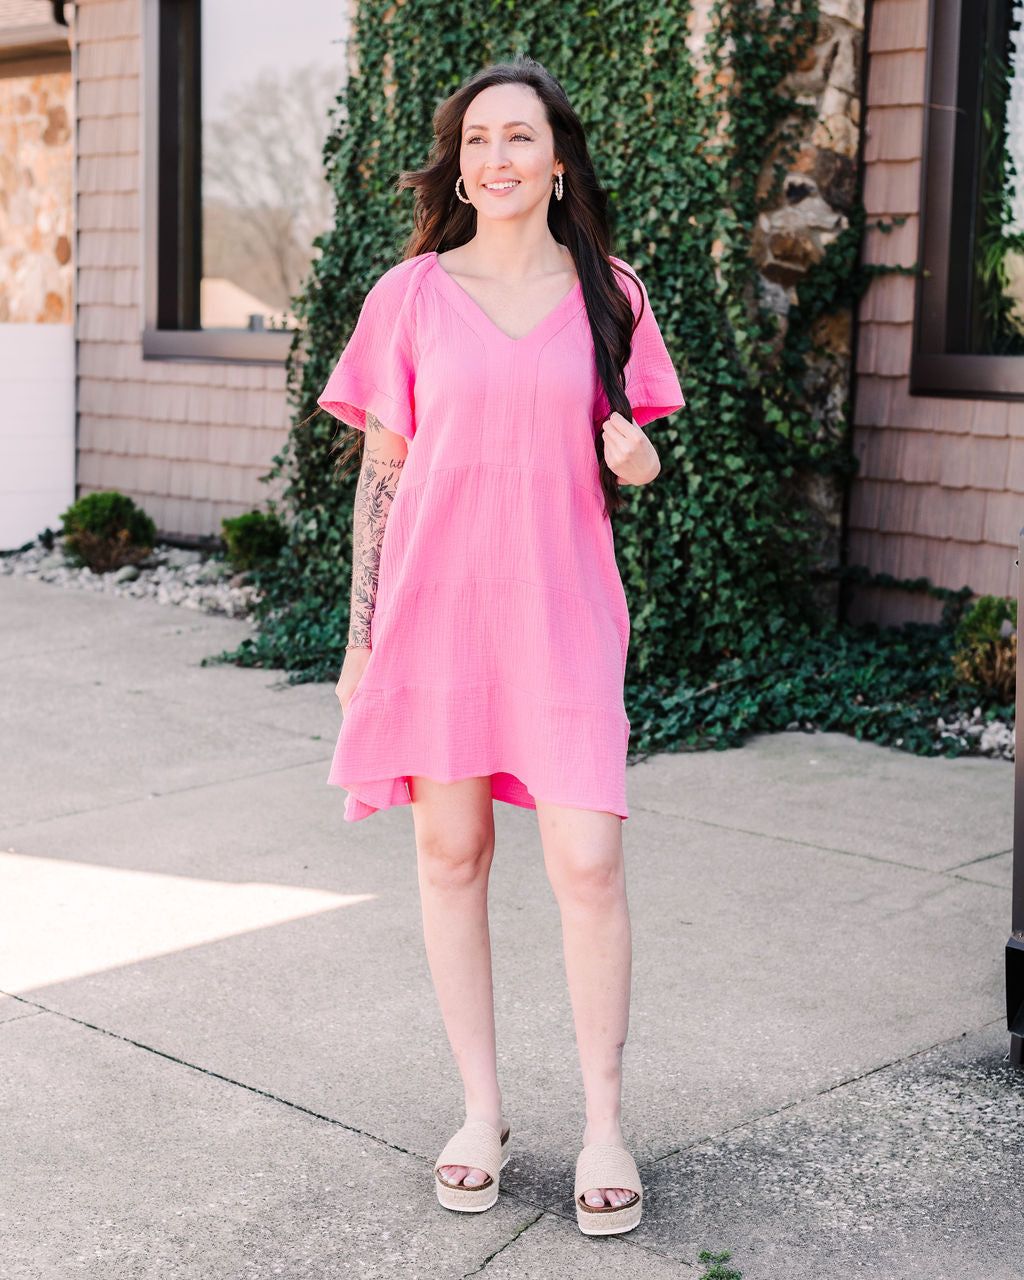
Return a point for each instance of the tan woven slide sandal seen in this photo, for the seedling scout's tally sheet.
(476, 1146)
(601, 1165)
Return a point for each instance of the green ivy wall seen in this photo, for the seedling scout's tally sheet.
(726, 134)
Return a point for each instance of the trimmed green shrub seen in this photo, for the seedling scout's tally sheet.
(107, 530)
(986, 648)
(254, 539)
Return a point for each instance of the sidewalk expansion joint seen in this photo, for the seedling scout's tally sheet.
(821, 1093)
(215, 1075)
(820, 848)
(541, 1211)
(160, 795)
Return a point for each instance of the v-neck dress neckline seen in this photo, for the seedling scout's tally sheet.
(472, 309)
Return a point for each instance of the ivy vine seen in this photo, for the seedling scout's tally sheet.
(717, 556)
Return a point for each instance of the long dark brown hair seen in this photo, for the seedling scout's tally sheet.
(579, 221)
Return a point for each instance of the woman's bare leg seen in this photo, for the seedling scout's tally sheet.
(454, 825)
(583, 856)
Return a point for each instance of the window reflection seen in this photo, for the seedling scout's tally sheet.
(268, 83)
(996, 325)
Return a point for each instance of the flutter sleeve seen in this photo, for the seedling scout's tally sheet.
(652, 386)
(376, 371)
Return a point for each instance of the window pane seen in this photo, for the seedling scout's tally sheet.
(270, 72)
(995, 319)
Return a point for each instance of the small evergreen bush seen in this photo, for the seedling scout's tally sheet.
(254, 539)
(107, 530)
(986, 648)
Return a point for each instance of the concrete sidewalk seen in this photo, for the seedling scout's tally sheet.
(221, 1056)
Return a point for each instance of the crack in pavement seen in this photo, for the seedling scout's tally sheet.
(20, 1017)
(611, 1241)
(985, 857)
(501, 1249)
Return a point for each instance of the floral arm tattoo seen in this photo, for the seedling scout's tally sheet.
(375, 492)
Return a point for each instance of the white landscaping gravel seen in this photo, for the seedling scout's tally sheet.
(171, 575)
(983, 737)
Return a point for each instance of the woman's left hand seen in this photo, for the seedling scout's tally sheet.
(628, 452)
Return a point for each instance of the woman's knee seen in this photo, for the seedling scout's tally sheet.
(587, 877)
(454, 825)
(454, 860)
(583, 854)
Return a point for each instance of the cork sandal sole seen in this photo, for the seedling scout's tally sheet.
(476, 1146)
(605, 1166)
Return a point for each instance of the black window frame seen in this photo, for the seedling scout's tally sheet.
(951, 102)
(172, 200)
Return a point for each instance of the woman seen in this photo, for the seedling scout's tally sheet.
(489, 625)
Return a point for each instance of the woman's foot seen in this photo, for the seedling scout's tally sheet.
(598, 1196)
(458, 1175)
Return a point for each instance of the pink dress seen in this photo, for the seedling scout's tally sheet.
(500, 627)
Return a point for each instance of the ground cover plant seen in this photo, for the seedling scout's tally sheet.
(715, 1264)
(719, 557)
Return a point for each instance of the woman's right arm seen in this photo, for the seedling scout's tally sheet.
(384, 454)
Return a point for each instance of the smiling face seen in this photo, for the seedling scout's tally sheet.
(507, 154)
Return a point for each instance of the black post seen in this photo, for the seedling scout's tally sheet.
(1015, 943)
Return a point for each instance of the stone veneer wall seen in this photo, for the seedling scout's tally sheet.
(187, 440)
(35, 198)
(818, 195)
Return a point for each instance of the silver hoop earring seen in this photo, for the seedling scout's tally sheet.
(558, 186)
(464, 199)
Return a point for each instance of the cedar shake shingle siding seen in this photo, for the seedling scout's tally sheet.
(189, 441)
(940, 490)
